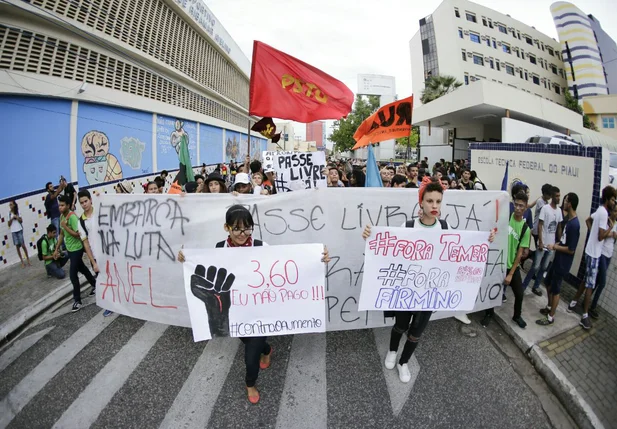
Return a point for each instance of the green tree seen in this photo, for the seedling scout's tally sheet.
(438, 86)
(412, 141)
(572, 104)
(343, 130)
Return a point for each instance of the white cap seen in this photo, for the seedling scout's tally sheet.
(242, 178)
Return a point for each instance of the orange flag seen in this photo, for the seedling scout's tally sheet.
(389, 122)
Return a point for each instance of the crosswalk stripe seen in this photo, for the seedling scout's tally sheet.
(304, 402)
(31, 384)
(193, 406)
(399, 392)
(20, 346)
(87, 407)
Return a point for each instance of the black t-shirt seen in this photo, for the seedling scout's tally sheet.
(69, 192)
(51, 206)
(468, 186)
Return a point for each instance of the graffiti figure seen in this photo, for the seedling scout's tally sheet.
(179, 137)
(99, 165)
(232, 149)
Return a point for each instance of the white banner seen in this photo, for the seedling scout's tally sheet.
(138, 238)
(407, 269)
(296, 171)
(255, 291)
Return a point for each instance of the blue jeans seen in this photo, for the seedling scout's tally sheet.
(77, 265)
(600, 279)
(541, 261)
(54, 268)
(56, 222)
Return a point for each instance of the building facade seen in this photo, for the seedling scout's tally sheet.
(100, 91)
(602, 111)
(586, 50)
(472, 42)
(315, 132)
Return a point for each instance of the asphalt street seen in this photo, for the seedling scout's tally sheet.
(83, 370)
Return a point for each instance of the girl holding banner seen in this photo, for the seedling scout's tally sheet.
(257, 352)
(414, 322)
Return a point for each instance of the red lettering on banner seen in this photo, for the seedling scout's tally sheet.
(109, 284)
(151, 300)
(129, 272)
(454, 253)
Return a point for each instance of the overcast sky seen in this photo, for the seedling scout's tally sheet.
(345, 38)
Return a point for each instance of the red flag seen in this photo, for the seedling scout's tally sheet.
(389, 122)
(285, 87)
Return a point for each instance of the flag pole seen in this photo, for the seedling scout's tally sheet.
(248, 149)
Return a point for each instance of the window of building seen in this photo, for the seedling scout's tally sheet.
(526, 75)
(491, 63)
(557, 55)
(477, 59)
(561, 73)
(474, 37)
(542, 45)
(528, 40)
(550, 51)
(518, 34)
(484, 22)
(470, 17)
(506, 48)
(460, 33)
(466, 79)
(532, 59)
(545, 85)
(513, 33)
(490, 24)
(456, 13)
(464, 55)
(557, 89)
(608, 122)
(509, 69)
(535, 80)
(502, 29)
(497, 65)
(520, 72)
(518, 53)
(494, 44)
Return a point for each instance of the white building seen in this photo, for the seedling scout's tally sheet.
(288, 137)
(521, 69)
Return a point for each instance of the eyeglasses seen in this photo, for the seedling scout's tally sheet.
(238, 231)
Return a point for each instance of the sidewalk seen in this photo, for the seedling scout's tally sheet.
(580, 366)
(27, 292)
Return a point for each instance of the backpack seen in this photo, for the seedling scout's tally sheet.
(82, 221)
(523, 231)
(411, 223)
(39, 246)
(483, 185)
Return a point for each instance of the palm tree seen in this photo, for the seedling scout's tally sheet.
(437, 86)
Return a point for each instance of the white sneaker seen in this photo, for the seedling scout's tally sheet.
(390, 360)
(403, 373)
(463, 319)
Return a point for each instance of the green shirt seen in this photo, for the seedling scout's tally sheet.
(514, 239)
(72, 244)
(47, 248)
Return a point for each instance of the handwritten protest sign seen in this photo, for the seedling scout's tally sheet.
(255, 291)
(296, 171)
(408, 269)
(138, 237)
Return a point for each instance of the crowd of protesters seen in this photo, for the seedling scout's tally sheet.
(555, 230)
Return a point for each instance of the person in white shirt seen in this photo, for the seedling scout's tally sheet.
(605, 261)
(549, 226)
(540, 202)
(599, 230)
(17, 231)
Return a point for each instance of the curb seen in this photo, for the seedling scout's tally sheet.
(569, 397)
(17, 323)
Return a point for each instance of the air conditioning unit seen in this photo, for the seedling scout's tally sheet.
(469, 55)
(483, 37)
(499, 43)
(466, 32)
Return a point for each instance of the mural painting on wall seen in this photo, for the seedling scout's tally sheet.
(173, 137)
(255, 147)
(232, 147)
(113, 145)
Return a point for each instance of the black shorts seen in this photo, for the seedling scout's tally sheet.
(556, 280)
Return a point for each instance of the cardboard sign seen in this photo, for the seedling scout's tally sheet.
(412, 269)
(138, 237)
(296, 171)
(255, 291)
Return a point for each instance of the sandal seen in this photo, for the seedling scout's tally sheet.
(266, 365)
(253, 399)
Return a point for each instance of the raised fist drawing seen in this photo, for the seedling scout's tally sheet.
(213, 289)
